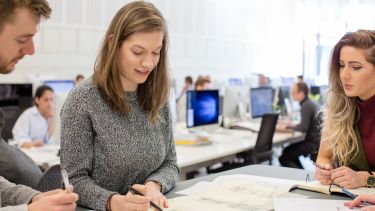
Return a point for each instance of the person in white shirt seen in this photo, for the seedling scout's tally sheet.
(34, 127)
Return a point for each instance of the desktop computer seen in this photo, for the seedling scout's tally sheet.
(60, 86)
(261, 101)
(236, 101)
(202, 108)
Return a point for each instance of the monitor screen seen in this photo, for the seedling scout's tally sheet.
(315, 90)
(202, 108)
(261, 101)
(236, 100)
(60, 86)
(20, 95)
(235, 82)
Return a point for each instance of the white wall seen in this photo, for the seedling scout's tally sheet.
(223, 38)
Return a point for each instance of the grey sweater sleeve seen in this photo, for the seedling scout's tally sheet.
(168, 172)
(12, 195)
(77, 153)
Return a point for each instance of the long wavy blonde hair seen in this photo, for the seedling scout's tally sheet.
(138, 16)
(340, 112)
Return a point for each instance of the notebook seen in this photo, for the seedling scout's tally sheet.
(317, 187)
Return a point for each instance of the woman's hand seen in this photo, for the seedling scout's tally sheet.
(324, 174)
(363, 198)
(153, 191)
(131, 202)
(347, 178)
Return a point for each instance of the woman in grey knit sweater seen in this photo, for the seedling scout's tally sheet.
(116, 126)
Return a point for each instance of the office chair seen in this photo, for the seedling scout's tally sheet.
(313, 135)
(262, 150)
(263, 147)
(51, 179)
(11, 114)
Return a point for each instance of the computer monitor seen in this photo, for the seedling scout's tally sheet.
(236, 100)
(261, 101)
(202, 108)
(60, 86)
(20, 95)
(235, 82)
(315, 90)
(284, 92)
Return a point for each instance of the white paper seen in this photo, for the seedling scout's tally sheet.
(199, 186)
(303, 204)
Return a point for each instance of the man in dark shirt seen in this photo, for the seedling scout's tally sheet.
(309, 124)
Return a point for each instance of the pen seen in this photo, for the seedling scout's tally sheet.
(319, 166)
(134, 191)
(353, 196)
(65, 177)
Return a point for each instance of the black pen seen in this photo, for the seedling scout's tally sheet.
(319, 166)
(134, 191)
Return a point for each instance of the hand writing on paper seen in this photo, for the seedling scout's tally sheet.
(347, 178)
(153, 191)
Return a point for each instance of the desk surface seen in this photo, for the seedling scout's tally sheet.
(264, 171)
(258, 170)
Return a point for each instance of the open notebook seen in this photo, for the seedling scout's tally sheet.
(317, 187)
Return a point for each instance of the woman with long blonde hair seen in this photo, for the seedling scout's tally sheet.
(348, 141)
(116, 126)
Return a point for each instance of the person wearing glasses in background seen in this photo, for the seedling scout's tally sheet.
(348, 138)
(116, 125)
(19, 21)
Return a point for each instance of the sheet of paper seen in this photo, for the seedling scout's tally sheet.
(197, 187)
(304, 204)
(280, 184)
(228, 195)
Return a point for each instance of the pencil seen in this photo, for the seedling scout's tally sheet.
(134, 191)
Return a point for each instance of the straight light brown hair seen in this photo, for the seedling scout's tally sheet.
(40, 8)
(153, 94)
(341, 112)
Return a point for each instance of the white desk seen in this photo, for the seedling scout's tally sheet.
(44, 156)
(257, 170)
(226, 144)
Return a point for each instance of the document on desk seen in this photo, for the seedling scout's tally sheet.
(303, 204)
(231, 195)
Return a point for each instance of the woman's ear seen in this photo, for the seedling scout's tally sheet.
(110, 39)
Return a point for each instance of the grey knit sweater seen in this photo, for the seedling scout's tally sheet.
(105, 151)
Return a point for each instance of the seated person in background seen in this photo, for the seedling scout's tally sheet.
(34, 127)
(79, 79)
(202, 84)
(181, 100)
(299, 78)
(116, 126)
(348, 138)
(308, 125)
(187, 86)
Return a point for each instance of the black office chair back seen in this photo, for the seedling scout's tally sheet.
(263, 147)
(51, 179)
(313, 134)
(11, 114)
